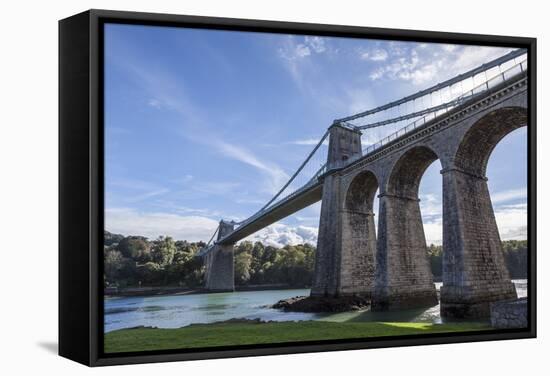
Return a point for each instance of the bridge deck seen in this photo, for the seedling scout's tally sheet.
(279, 211)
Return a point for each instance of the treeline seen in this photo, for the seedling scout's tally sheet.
(138, 261)
(515, 256)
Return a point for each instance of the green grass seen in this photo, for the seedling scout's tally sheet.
(227, 334)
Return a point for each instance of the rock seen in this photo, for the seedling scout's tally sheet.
(509, 314)
(322, 304)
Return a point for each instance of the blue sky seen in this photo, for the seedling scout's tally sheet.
(202, 125)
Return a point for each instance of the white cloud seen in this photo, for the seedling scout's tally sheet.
(430, 205)
(379, 55)
(509, 195)
(376, 55)
(425, 64)
(128, 221)
(302, 50)
(512, 221)
(317, 44)
(296, 53)
(433, 232)
(449, 47)
(279, 235)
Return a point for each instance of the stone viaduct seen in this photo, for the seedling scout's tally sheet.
(393, 268)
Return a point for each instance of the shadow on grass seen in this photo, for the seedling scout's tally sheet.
(385, 316)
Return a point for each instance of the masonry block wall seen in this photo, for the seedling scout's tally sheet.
(398, 274)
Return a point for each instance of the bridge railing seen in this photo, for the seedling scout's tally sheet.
(488, 84)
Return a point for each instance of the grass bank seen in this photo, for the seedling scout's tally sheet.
(230, 333)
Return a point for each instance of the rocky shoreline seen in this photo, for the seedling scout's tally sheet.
(322, 304)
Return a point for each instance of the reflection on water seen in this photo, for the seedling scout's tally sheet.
(174, 311)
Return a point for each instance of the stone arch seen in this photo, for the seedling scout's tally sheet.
(403, 275)
(359, 235)
(406, 174)
(483, 136)
(361, 191)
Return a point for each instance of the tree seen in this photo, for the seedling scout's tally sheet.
(515, 255)
(163, 251)
(134, 247)
(112, 261)
(243, 261)
(435, 254)
(149, 273)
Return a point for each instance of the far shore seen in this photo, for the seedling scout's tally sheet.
(176, 290)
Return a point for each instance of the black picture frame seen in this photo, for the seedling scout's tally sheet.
(81, 185)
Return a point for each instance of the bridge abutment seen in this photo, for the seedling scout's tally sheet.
(219, 273)
(474, 270)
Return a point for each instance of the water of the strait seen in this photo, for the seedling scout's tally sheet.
(174, 311)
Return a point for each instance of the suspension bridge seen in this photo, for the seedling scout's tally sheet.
(458, 122)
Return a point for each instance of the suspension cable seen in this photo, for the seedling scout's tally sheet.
(436, 87)
(297, 171)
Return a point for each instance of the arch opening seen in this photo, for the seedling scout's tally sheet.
(408, 171)
(507, 182)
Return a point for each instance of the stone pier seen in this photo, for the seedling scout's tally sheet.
(344, 260)
(403, 274)
(474, 270)
(219, 272)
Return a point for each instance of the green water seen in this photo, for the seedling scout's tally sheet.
(175, 311)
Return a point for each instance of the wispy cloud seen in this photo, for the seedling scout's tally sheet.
(128, 221)
(276, 176)
(147, 195)
(307, 142)
(217, 188)
(296, 53)
(195, 126)
(377, 54)
(137, 190)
